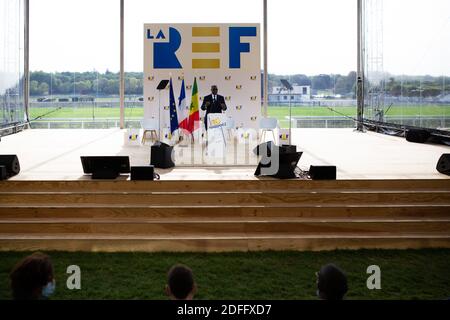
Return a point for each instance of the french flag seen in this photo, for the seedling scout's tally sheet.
(182, 114)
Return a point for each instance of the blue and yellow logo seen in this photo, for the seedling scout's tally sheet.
(164, 50)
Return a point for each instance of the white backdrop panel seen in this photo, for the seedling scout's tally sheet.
(175, 50)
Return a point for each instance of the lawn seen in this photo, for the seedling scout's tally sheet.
(406, 274)
(320, 111)
(85, 113)
(278, 112)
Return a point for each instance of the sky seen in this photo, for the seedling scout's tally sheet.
(305, 36)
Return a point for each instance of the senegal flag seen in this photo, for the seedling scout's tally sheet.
(193, 119)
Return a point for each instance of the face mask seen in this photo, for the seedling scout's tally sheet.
(49, 289)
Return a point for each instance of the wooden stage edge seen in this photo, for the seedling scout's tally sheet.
(388, 196)
(220, 216)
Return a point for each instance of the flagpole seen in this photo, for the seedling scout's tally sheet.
(159, 114)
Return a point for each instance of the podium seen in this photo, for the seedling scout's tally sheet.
(216, 143)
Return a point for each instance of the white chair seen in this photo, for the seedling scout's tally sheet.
(149, 126)
(268, 124)
(230, 126)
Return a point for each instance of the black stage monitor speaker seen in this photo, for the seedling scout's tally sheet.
(417, 136)
(259, 149)
(11, 164)
(3, 173)
(161, 155)
(286, 168)
(142, 172)
(105, 167)
(322, 172)
(287, 148)
(443, 165)
(270, 145)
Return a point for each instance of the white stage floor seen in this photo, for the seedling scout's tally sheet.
(55, 155)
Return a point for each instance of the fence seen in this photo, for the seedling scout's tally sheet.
(435, 122)
(83, 124)
(297, 122)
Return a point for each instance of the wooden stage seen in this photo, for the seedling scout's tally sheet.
(55, 155)
(388, 195)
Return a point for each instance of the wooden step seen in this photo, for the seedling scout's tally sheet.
(237, 242)
(298, 210)
(225, 185)
(229, 198)
(298, 226)
(217, 220)
(241, 215)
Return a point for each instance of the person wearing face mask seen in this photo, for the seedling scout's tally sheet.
(32, 278)
(213, 103)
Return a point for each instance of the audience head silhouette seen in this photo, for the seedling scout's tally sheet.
(33, 278)
(180, 283)
(331, 283)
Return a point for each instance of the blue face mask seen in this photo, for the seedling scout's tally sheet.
(49, 289)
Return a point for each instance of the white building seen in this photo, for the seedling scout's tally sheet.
(298, 94)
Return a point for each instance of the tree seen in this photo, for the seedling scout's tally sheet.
(301, 80)
(341, 86)
(65, 88)
(321, 82)
(131, 86)
(41, 76)
(112, 86)
(34, 87)
(108, 83)
(83, 87)
(43, 88)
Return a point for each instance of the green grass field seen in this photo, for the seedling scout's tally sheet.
(85, 113)
(278, 112)
(316, 111)
(405, 274)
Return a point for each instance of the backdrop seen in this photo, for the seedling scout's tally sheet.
(227, 55)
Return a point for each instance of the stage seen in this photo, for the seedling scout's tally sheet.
(388, 195)
(55, 155)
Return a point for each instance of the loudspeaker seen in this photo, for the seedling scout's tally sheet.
(161, 155)
(287, 148)
(443, 165)
(286, 165)
(105, 167)
(322, 172)
(266, 146)
(269, 147)
(2, 173)
(11, 164)
(142, 173)
(417, 136)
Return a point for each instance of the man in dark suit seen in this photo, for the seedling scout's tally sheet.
(213, 103)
